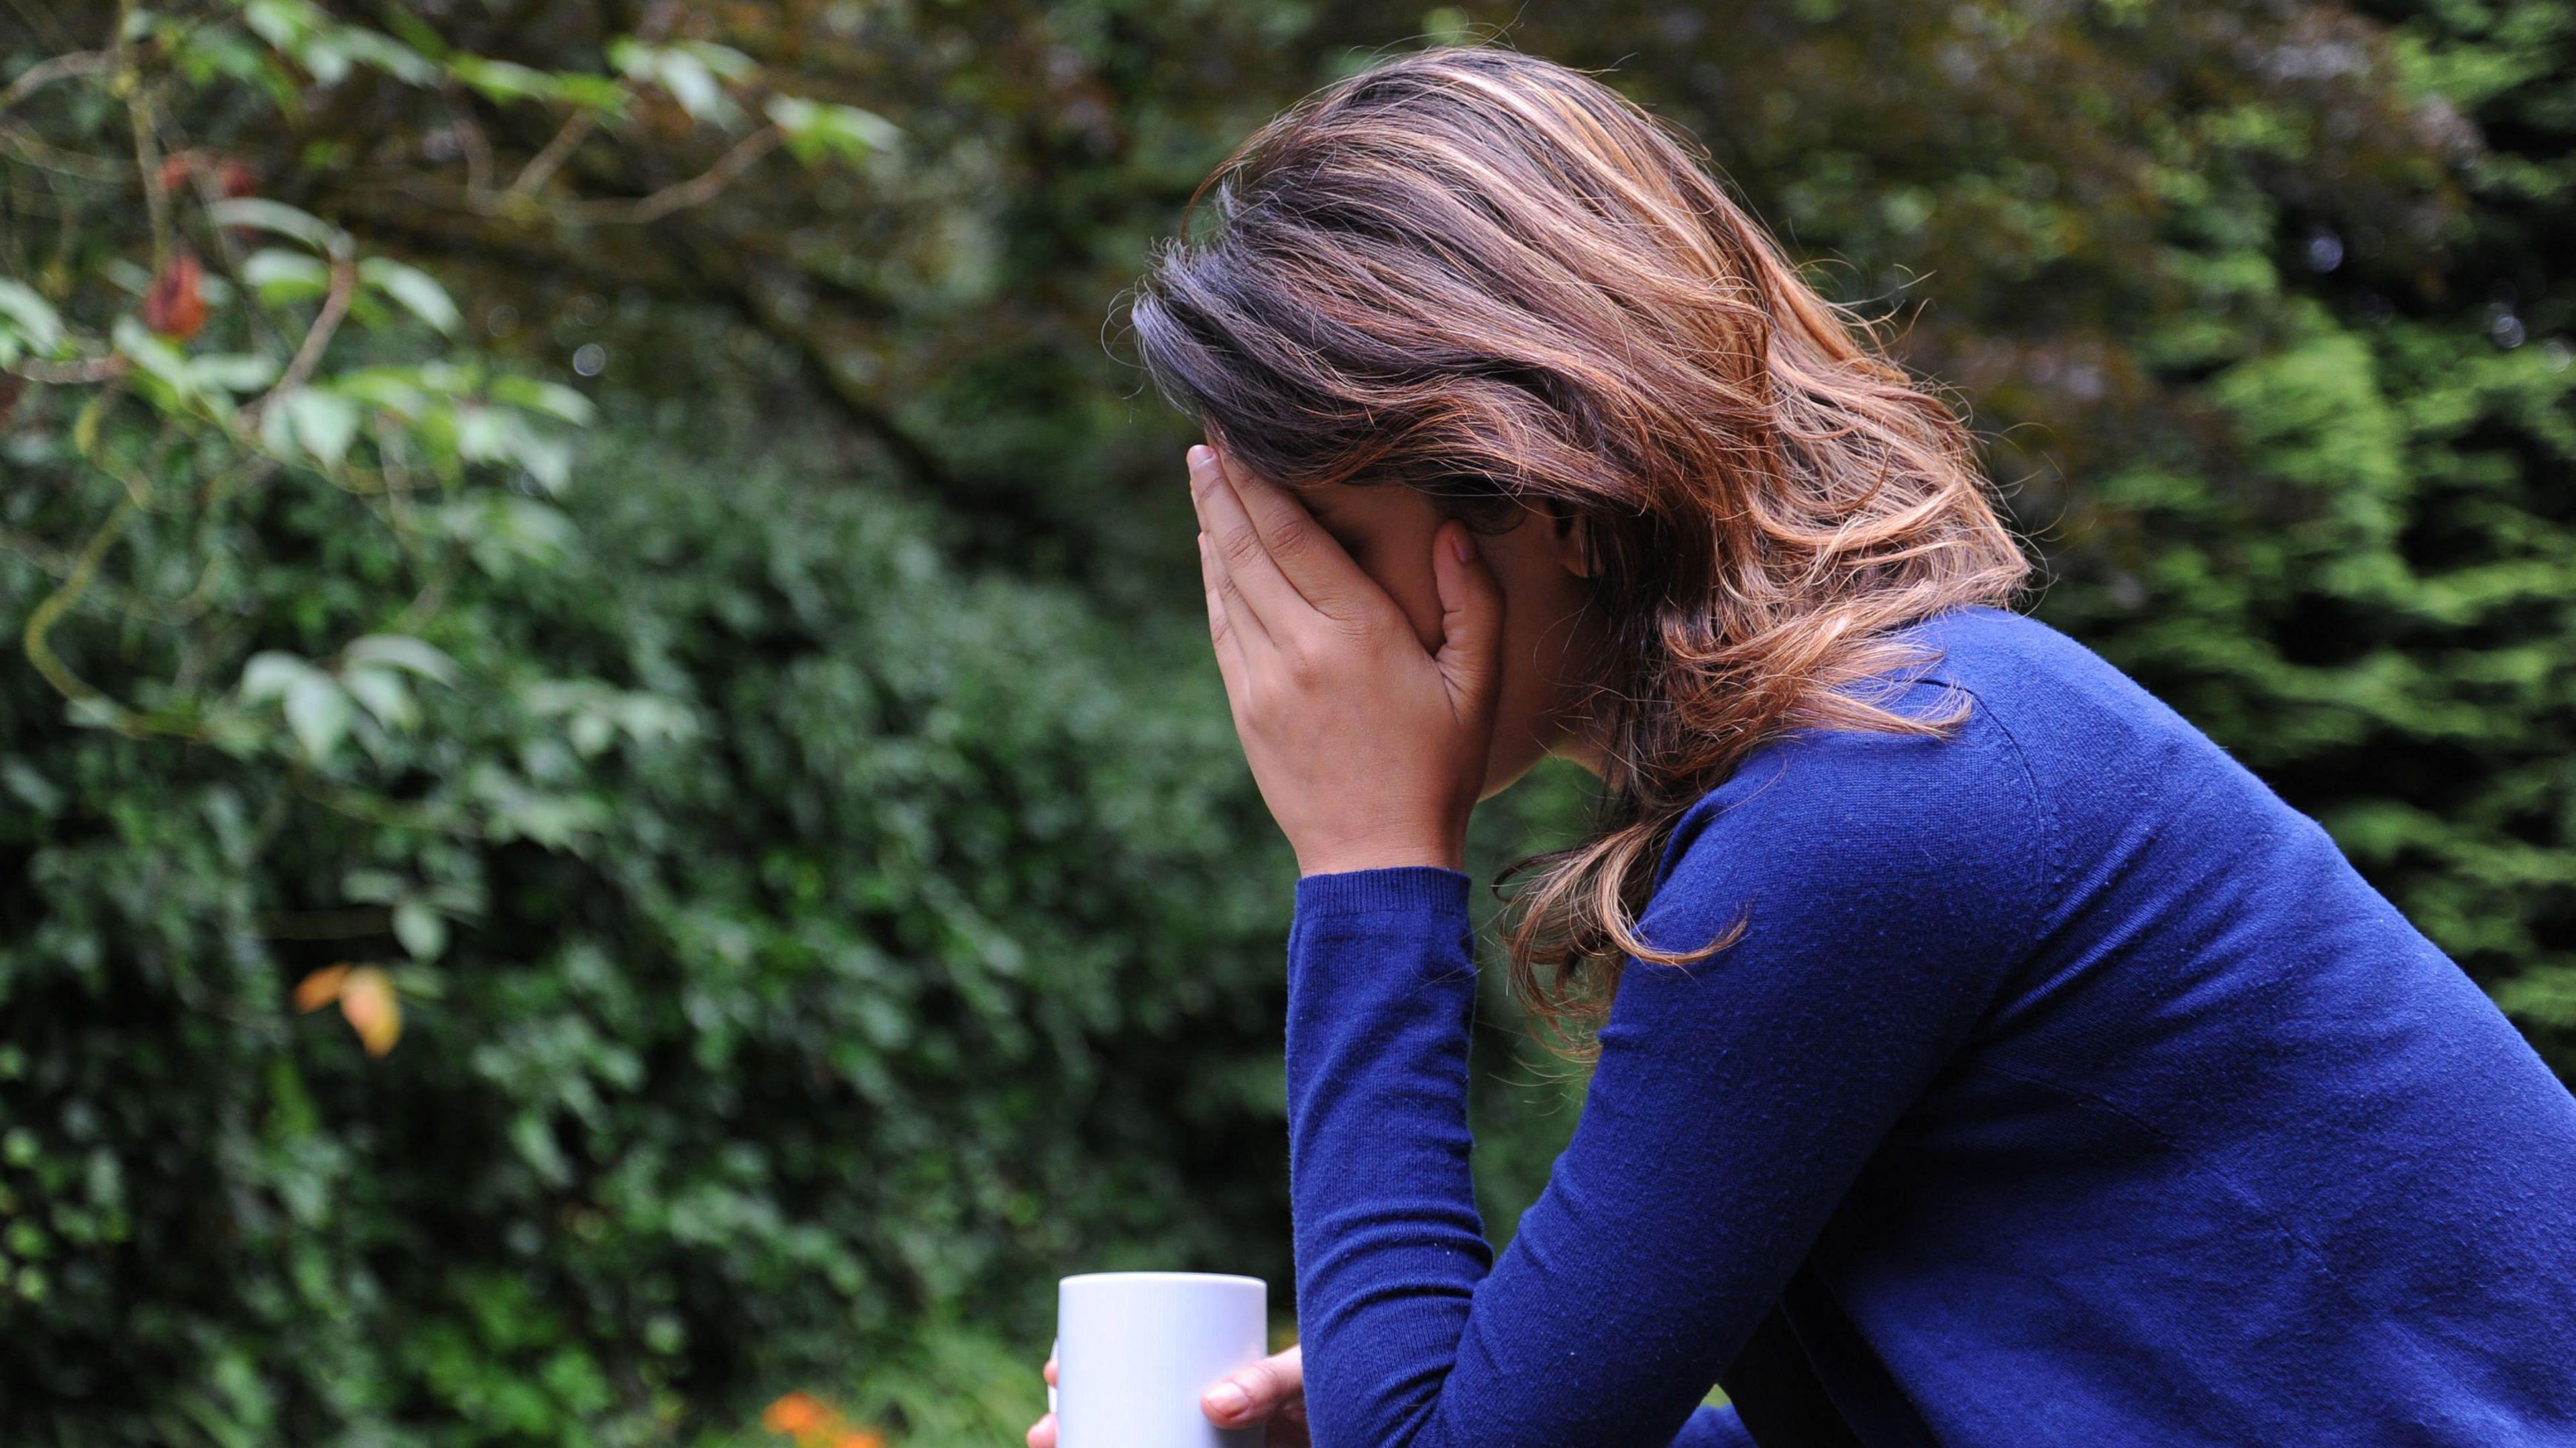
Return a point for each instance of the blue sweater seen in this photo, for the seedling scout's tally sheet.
(2065, 1087)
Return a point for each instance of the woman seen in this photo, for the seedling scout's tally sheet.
(1994, 1061)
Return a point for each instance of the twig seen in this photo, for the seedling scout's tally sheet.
(70, 163)
(478, 151)
(183, 610)
(579, 127)
(344, 285)
(381, 812)
(74, 374)
(62, 67)
(147, 162)
(60, 601)
(550, 160)
(696, 191)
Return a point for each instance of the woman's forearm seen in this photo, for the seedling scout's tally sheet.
(1389, 1244)
(1733, 1103)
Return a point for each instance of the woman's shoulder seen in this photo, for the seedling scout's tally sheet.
(1870, 840)
(1885, 779)
(2020, 665)
(2048, 734)
(1828, 814)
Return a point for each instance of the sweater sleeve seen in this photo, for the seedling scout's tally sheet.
(1883, 886)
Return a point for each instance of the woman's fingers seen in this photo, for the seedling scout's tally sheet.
(1471, 617)
(1274, 1387)
(1250, 1394)
(1312, 561)
(1042, 1432)
(1243, 558)
(1223, 633)
(1244, 626)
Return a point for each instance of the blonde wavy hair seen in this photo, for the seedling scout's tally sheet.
(1493, 278)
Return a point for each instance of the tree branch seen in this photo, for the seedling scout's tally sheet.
(696, 191)
(344, 285)
(62, 67)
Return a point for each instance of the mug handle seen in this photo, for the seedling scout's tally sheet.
(1055, 1350)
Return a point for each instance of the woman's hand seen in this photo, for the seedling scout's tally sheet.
(1369, 750)
(1271, 1391)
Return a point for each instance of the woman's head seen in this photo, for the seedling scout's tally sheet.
(1493, 283)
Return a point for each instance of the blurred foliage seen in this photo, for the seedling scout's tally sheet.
(530, 940)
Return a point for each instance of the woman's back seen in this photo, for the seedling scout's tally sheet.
(2231, 1153)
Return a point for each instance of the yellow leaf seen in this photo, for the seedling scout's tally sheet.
(367, 999)
(320, 988)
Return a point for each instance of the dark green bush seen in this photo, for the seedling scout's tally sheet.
(893, 937)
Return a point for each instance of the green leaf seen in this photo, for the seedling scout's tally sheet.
(687, 72)
(234, 371)
(270, 673)
(284, 24)
(401, 651)
(325, 57)
(390, 388)
(414, 288)
(373, 887)
(599, 93)
(817, 131)
(631, 57)
(155, 357)
(421, 929)
(690, 83)
(724, 60)
(535, 1139)
(388, 55)
(262, 214)
(319, 712)
(547, 459)
(590, 733)
(28, 317)
(324, 423)
(552, 399)
(501, 80)
(384, 694)
(280, 276)
(483, 434)
(499, 530)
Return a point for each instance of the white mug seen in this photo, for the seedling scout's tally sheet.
(1134, 1350)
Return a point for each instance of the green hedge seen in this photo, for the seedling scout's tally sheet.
(908, 935)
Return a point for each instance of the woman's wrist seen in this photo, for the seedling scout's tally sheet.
(1344, 859)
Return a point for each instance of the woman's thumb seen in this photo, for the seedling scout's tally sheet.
(1471, 615)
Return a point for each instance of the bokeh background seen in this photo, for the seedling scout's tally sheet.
(615, 824)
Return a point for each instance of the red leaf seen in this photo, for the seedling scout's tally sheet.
(174, 307)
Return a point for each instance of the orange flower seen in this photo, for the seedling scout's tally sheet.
(859, 1438)
(796, 1413)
